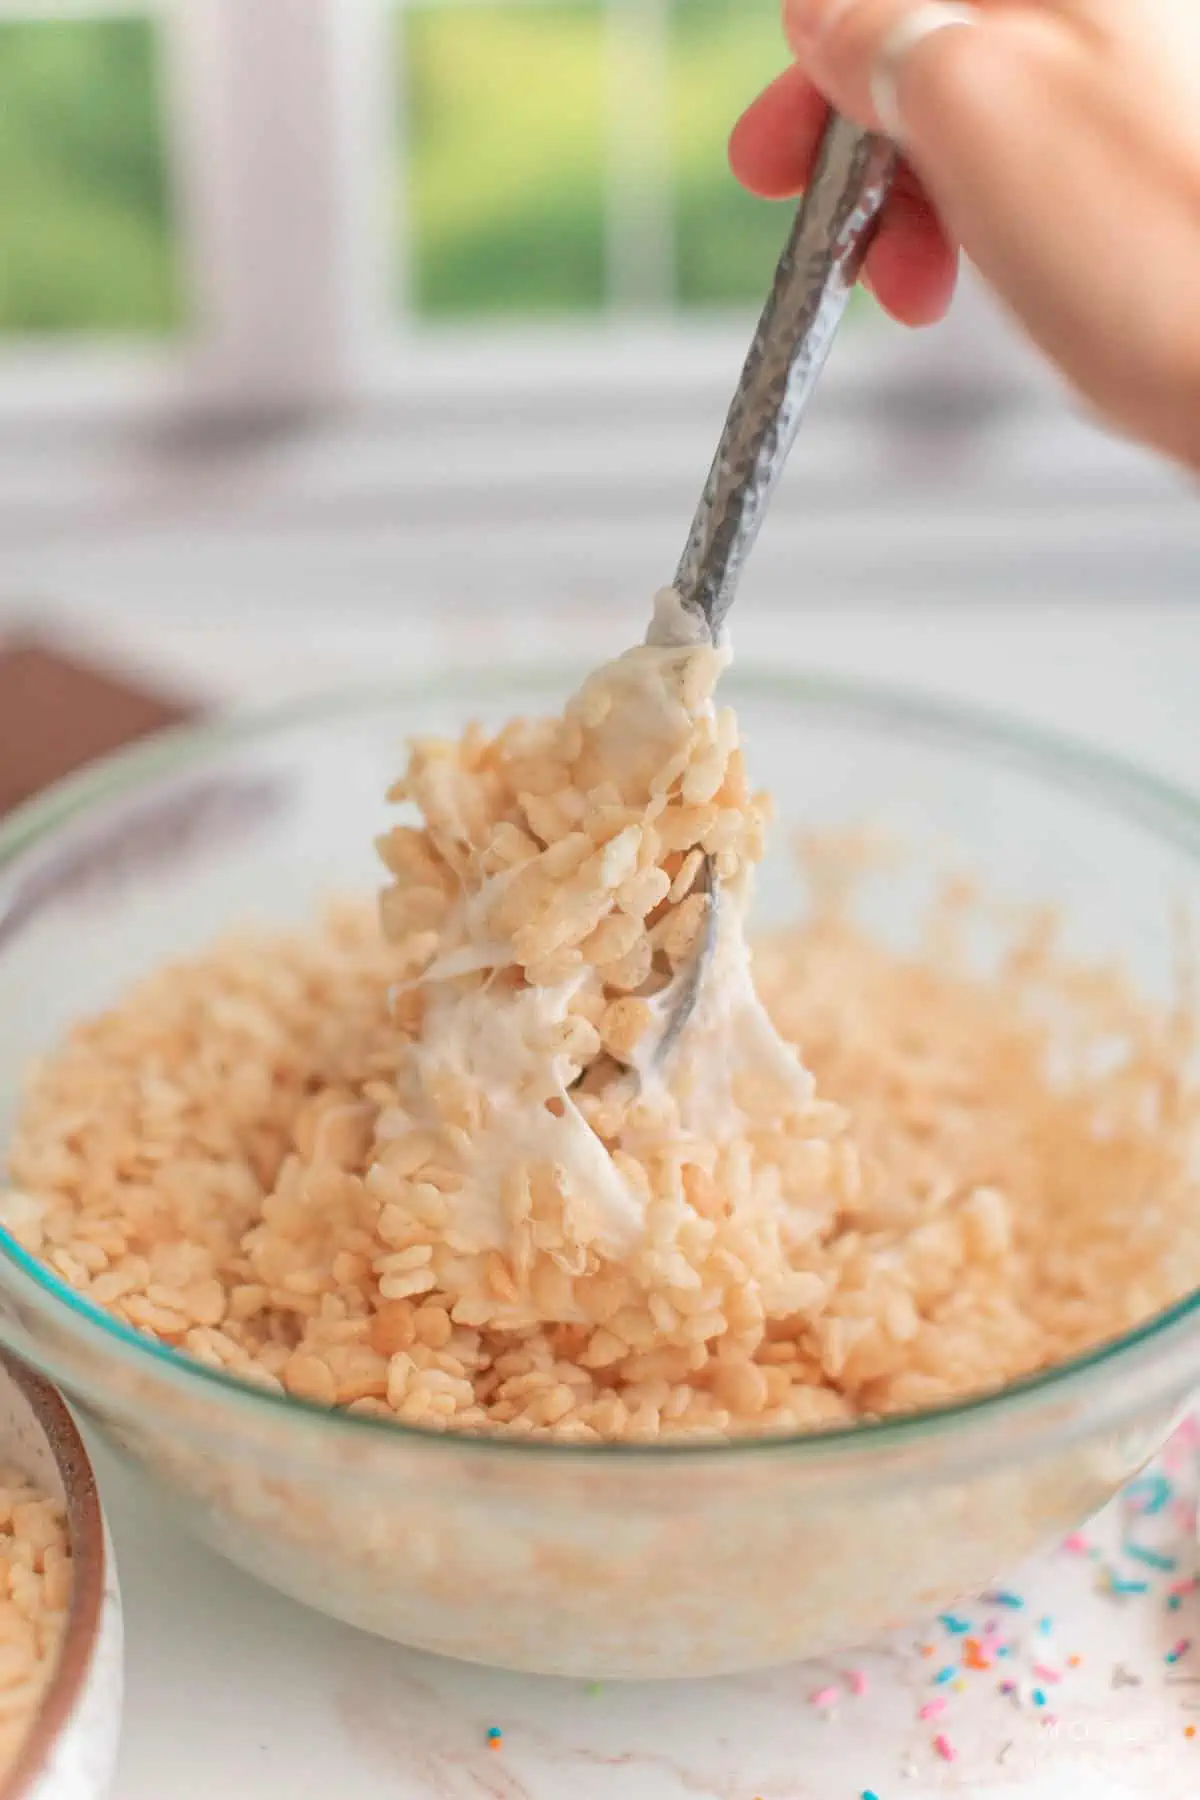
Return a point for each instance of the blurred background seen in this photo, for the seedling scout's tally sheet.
(328, 325)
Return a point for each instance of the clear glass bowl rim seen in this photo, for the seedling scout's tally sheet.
(1108, 781)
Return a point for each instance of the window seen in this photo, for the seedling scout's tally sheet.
(569, 155)
(85, 212)
(276, 208)
(501, 148)
(726, 242)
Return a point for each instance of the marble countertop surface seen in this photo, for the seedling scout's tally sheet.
(232, 1689)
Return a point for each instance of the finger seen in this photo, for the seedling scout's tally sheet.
(866, 55)
(859, 50)
(774, 143)
(912, 266)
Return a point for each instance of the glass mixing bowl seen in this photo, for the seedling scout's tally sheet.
(589, 1562)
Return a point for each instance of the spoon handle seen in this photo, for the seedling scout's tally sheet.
(812, 287)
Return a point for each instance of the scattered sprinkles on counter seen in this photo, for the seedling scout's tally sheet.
(1156, 1533)
(1027, 1652)
(1156, 1527)
(495, 1737)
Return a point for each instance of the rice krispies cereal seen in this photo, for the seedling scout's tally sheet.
(35, 1592)
(423, 1173)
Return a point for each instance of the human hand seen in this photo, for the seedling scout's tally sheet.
(1056, 141)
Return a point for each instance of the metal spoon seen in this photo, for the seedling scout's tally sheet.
(813, 284)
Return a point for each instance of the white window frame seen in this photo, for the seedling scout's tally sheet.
(280, 123)
(279, 117)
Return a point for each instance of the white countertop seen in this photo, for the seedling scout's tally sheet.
(234, 1690)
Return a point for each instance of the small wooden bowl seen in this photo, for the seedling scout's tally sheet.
(70, 1749)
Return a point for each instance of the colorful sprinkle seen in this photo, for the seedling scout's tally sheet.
(868, 1794)
(1149, 1495)
(1154, 1559)
(1150, 1561)
(827, 1696)
(1116, 1584)
(495, 1736)
(858, 1681)
(595, 1687)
